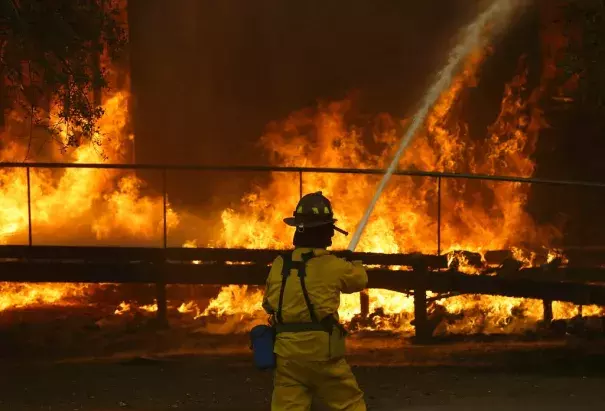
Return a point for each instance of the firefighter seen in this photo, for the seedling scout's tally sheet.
(302, 296)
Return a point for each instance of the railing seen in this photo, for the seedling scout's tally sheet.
(300, 170)
(420, 280)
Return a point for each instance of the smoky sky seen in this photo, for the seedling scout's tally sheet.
(209, 75)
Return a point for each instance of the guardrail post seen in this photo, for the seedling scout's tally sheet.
(29, 208)
(548, 314)
(364, 302)
(439, 215)
(164, 207)
(161, 299)
(547, 303)
(422, 327)
(160, 296)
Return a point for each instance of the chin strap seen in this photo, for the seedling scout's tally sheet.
(341, 231)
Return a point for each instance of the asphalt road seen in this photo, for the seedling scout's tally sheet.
(494, 375)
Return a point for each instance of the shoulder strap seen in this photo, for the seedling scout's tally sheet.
(302, 273)
(301, 266)
(285, 273)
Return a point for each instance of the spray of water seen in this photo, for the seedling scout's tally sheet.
(497, 16)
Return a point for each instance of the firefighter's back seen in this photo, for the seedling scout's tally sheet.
(327, 276)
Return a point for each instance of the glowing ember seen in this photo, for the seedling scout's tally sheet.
(189, 307)
(125, 307)
(248, 301)
(150, 308)
(122, 308)
(26, 295)
(191, 244)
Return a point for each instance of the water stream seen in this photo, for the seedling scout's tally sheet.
(475, 36)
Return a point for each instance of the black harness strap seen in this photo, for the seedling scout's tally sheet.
(298, 327)
(301, 266)
(302, 273)
(326, 324)
(285, 273)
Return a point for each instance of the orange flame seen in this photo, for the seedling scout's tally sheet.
(476, 216)
(76, 206)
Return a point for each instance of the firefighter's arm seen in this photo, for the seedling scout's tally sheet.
(354, 277)
(272, 286)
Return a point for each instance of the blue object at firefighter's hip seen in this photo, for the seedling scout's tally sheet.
(262, 341)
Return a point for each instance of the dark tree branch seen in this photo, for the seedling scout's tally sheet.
(60, 39)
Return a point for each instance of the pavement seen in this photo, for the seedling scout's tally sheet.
(458, 376)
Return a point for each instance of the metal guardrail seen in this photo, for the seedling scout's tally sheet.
(300, 170)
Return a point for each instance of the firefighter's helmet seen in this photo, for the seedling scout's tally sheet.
(313, 210)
